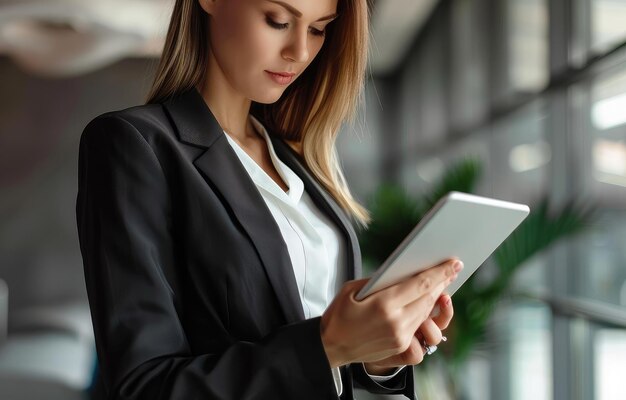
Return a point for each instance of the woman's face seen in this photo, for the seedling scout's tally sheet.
(257, 44)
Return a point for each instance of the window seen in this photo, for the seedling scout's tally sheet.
(469, 78)
(608, 28)
(530, 349)
(521, 155)
(601, 167)
(528, 44)
(609, 363)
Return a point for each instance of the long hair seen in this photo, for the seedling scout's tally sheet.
(310, 112)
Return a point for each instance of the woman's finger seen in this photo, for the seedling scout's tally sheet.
(413, 355)
(419, 310)
(446, 312)
(430, 332)
(431, 281)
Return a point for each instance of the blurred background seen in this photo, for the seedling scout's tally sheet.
(531, 92)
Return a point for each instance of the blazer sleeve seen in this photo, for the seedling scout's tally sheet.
(123, 215)
(402, 383)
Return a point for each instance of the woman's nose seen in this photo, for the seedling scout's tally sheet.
(297, 48)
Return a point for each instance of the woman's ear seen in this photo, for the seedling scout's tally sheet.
(208, 5)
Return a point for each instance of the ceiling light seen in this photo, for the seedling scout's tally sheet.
(70, 37)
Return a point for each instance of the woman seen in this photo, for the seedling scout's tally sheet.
(213, 221)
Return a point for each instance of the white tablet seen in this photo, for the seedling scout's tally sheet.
(460, 225)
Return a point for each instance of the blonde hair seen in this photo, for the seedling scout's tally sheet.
(310, 112)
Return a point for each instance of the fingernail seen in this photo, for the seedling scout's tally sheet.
(447, 302)
(458, 266)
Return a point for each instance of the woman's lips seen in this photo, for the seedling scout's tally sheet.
(280, 77)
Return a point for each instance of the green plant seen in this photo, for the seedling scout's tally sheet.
(394, 214)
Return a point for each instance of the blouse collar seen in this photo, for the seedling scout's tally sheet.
(261, 179)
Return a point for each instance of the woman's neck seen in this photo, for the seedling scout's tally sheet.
(228, 107)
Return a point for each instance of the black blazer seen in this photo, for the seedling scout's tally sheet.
(190, 284)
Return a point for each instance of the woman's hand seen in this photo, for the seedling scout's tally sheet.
(429, 332)
(383, 325)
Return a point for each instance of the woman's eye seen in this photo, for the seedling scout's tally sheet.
(317, 32)
(275, 24)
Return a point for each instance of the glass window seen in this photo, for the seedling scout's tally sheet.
(411, 105)
(521, 351)
(528, 44)
(608, 149)
(468, 63)
(530, 352)
(521, 155)
(598, 173)
(475, 378)
(602, 255)
(433, 78)
(609, 364)
(609, 98)
(608, 28)
(580, 35)
(423, 100)
(608, 145)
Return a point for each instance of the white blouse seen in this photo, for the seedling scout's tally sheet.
(313, 241)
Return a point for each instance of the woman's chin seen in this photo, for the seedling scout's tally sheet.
(269, 98)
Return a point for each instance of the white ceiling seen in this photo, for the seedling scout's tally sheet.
(70, 37)
(395, 23)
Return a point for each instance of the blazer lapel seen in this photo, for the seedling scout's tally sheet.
(323, 200)
(221, 166)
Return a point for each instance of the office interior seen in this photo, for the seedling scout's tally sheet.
(534, 91)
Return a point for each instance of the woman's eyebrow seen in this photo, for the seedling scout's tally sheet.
(297, 13)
